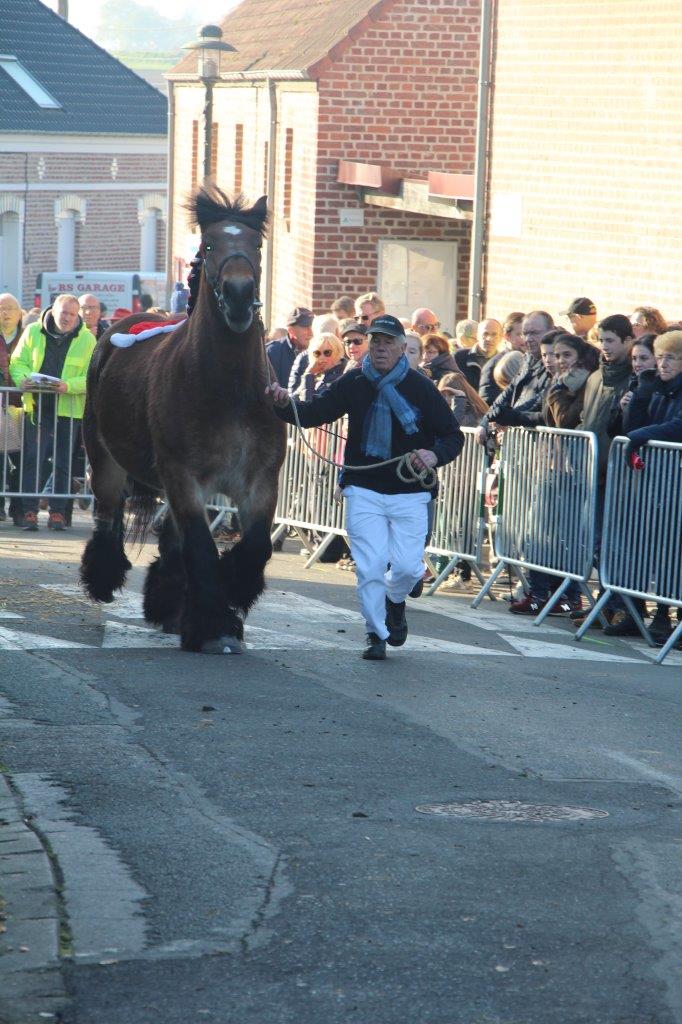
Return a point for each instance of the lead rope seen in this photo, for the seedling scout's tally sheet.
(405, 471)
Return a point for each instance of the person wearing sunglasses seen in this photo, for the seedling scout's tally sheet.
(326, 363)
(368, 307)
(424, 321)
(355, 342)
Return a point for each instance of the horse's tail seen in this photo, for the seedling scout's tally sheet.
(143, 509)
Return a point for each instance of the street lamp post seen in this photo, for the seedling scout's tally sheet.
(209, 46)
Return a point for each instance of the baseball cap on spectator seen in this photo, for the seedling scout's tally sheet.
(351, 327)
(300, 317)
(581, 306)
(387, 324)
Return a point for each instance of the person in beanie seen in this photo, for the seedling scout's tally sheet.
(392, 410)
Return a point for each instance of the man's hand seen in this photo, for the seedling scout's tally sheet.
(26, 384)
(626, 399)
(280, 395)
(62, 387)
(481, 435)
(424, 459)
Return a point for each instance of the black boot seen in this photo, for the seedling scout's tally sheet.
(375, 649)
(396, 623)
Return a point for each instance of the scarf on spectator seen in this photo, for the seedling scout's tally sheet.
(377, 433)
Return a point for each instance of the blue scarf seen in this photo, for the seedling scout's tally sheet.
(376, 438)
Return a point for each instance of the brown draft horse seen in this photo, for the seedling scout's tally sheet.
(185, 414)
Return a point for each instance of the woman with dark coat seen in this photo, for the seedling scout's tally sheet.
(436, 357)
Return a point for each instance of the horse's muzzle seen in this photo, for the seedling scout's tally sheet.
(239, 303)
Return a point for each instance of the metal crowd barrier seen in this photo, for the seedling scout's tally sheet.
(548, 483)
(459, 520)
(57, 439)
(641, 552)
(305, 501)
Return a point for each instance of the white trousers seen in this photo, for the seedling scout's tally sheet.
(385, 528)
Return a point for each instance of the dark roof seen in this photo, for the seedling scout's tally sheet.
(97, 93)
(291, 35)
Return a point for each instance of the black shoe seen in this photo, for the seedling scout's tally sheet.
(418, 588)
(375, 649)
(622, 624)
(396, 623)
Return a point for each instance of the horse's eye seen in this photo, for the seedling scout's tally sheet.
(208, 247)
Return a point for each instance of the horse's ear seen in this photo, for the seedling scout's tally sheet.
(260, 209)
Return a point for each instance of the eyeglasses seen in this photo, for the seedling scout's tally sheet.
(354, 341)
(667, 358)
(325, 352)
(362, 318)
(428, 327)
(89, 309)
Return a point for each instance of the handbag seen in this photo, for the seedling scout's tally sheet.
(11, 422)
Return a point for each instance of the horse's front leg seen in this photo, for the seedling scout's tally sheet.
(243, 567)
(207, 623)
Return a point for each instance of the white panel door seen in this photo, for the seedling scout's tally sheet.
(412, 274)
(10, 257)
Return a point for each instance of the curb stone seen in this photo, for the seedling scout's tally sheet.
(31, 986)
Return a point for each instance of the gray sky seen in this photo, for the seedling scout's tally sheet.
(84, 14)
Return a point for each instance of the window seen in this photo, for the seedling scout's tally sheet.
(288, 169)
(28, 83)
(148, 239)
(213, 164)
(10, 262)
(266, 161)
(66, 241)
(195, 154)
(197, 149)
(238, 156)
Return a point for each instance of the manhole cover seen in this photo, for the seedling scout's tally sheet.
(512, 810)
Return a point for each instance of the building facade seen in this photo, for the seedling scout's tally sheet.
(83, 155)
(358, 121)
(585, 186)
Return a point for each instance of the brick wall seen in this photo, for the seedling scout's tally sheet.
(404, 94)
(585, 175)
(110, 237)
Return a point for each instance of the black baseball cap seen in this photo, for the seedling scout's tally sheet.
(387, 324)
(582, 306)
(300, 317)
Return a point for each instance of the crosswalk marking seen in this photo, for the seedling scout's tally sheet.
(540, 649)
(16, 640)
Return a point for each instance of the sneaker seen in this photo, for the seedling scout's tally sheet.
(56, 521)
(528, 606)
(396, 623)
(660, 626)
(418, 588)
(30, 521)
(375, 649)
(572, 608)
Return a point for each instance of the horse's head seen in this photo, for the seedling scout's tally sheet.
(231, 240)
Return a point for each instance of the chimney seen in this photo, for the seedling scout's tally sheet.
(64, 9)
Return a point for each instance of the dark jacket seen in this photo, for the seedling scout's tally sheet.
(520, 404)
(353, 395)
(488, 388)
(658, 418)
(311, 387)
(436, 368)
(299, 367)
(643, 386)
(470, 362)
(603, 392)
(281, 355)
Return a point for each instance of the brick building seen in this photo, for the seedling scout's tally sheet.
(585, 185)
(358, 121)
(82, 155)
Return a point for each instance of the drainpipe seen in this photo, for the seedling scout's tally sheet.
(270, 185)
(481, 170)
(170, 270)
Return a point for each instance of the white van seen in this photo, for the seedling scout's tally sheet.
(117, 290)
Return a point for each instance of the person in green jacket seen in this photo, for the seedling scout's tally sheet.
(59, 346)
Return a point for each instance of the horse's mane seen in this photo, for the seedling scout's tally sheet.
(210, 205)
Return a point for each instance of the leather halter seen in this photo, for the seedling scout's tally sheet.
(213, 284)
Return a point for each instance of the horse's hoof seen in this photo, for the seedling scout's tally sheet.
(223, 645)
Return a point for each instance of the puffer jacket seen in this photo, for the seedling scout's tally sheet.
(520, 404)
(659, 418)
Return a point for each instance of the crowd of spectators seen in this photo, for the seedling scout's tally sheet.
(620, 374)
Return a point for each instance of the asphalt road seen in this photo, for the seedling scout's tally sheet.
(239, 839)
